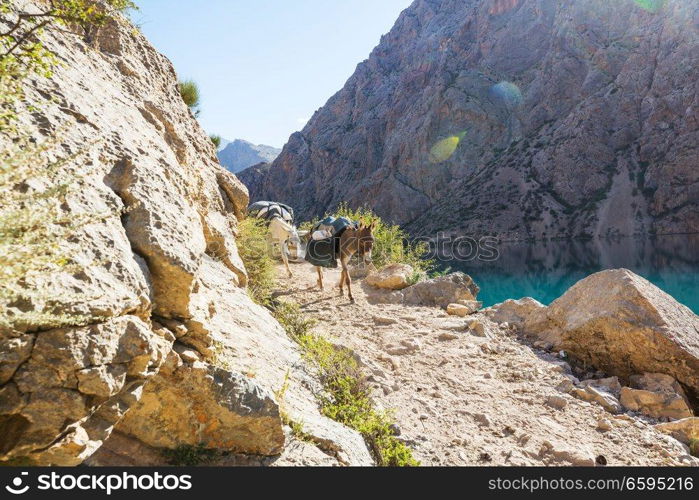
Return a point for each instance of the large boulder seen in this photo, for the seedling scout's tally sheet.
(197, 404)
(623, 325)
(75, 385)
(438, 292)
(655, 404)
(392, 277)
(514, 312)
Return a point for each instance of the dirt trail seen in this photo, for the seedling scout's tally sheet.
(462, 399)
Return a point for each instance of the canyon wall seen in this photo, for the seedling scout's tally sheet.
(521, 118)
(174, 353)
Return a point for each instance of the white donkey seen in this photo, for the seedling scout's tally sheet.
(283, 233)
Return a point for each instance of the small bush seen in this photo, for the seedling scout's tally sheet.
(216, 139)
(296, 325)
(347, 397)
(253, 243)
(189, 90)
(188, 456)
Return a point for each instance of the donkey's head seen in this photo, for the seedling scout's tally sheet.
(365, 241)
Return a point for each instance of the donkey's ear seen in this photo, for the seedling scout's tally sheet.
(374, 225)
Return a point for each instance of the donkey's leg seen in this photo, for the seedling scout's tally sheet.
(346, 277)
(320, 277)
(342, 282)
(285, 259)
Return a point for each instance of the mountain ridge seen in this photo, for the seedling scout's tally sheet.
(239, 154)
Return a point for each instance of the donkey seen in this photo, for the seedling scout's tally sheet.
(282, 233)
(354, 240)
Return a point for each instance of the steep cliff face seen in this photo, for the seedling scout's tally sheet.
(175, 343)
(525, 118)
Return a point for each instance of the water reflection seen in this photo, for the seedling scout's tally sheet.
(546, 270)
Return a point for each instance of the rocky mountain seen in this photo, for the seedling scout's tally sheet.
(536, 118)
(173, 352)
(171, 356)
(238, 155)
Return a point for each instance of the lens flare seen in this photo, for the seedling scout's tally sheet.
(445, 148)
(508, 93)
(650, 5)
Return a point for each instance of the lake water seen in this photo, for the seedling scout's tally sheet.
(545, 270)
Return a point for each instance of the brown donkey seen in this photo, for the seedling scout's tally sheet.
(355, 240)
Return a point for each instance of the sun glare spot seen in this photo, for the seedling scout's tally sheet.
(508, 93)
(445, 148)
(650, 5)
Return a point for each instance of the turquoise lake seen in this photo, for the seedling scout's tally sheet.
(545, 270)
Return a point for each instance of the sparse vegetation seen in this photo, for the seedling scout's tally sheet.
(296, 427)
(36, 177)
(189, 90)
(347, 397)
(253, 246)
(189, 456)
(216, 139)
(34, 232)
(22, 53)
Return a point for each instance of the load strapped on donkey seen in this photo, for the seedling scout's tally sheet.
(284, 237)
(268, 210)
(323, 248)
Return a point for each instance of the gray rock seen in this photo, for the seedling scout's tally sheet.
(619, 322)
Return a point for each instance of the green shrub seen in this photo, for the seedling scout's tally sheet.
(391, 243)
(216, 139)
(189, 90)
(189, 456)
(22, 54)
(347, 395)
(253, 246)
(296, 325)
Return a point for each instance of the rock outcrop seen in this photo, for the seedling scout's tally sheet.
(478, 117)
(437, 292)
(624, 325)
(686, 430)
(393, 277)
(174, 352)
(656, 395)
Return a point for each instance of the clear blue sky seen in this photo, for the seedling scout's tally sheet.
(264, 66)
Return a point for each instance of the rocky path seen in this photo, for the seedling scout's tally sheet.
(478, 395)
